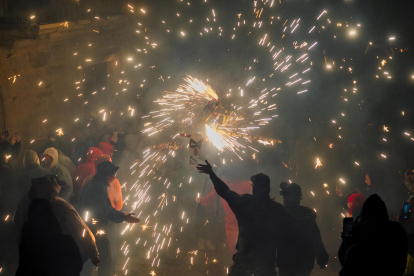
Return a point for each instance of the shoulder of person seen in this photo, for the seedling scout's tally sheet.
(308, 212)
(60, 167)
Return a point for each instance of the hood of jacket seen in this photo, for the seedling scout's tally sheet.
(44, 188)
(102, 158)
(30, 158)
(52, 152)
(106, 147)
(92, 154)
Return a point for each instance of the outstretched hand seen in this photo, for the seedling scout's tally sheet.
(131, 219)
(207, 169)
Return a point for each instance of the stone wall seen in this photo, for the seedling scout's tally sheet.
(42, 66)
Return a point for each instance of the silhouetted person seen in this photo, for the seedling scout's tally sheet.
(70, 222)
(44, 250)
(262, 224)
(95, 205)
(308, 241)
(377, 247)
(240, 186)
(407, 222)
(8, 199)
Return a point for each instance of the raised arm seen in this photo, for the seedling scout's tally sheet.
(221, 188)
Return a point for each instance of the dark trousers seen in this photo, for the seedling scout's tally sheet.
(244, 269)
(104, 268)
(111, 231)
(287, 272)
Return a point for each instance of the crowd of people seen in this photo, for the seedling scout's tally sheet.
(67, 203)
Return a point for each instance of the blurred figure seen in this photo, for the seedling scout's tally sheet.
(44, 250)
(309, 240)
(130, 155)
(409, 180)
(11, 147)
(32, 169)
(70, 222)
(407, 222)
(115, 196)
(66, 162)
(343, 197)
(262, 225)
(373, 185)
(232, 228)
(95, 205)
(355, 202)
(114, 188)
(378, 246)
(52, 142)
(7, 206)
(84, 170)
(49, 160)
(108, 146)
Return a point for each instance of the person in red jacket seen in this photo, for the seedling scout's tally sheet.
(84, 170)
(108, 146)
(232, 229)
(355, 203)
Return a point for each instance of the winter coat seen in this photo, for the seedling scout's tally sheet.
(262, 225)
(84, 170)
(94, 200)
(66, 162)
(43, 249)
(32, 169)
(114, 188)
(309, 244)
(62, 173)
(69, 220)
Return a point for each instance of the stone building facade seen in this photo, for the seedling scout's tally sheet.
(43, 69)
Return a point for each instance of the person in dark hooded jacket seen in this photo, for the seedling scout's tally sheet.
(377, 247)
(44, 250)
(11, 147)
(309, 242)
(70, 222)
(95, 205)
(263, 223)
(32, 169)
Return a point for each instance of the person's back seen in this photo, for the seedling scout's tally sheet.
(262, 225)
(44, 250)
(297, 255)
(378, 246)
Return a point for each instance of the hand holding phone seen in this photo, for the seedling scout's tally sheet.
(406, 210)
(347, 228)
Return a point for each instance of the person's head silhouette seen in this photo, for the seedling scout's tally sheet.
(292, 194)
(261, 185)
